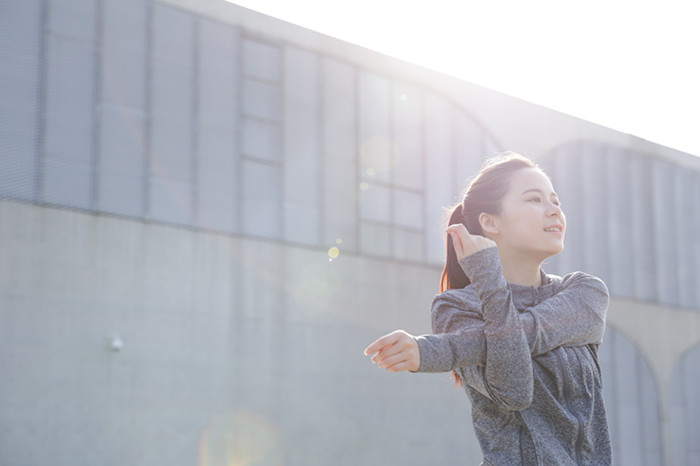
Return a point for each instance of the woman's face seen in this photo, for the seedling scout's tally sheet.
(531, 221)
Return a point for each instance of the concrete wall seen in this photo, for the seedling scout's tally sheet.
(234, 351)
(174, 173)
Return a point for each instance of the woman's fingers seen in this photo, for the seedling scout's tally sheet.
(383, 342)
(395, 352)
(399, 365)
(388, 355)
(466, 244)
(459, 234)
(462, 241)
(406, 359)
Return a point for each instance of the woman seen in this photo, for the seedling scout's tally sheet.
(523, 343)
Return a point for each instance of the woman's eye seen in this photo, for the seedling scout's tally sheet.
(535, 199)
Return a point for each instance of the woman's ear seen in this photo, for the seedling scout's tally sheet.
(489, 223)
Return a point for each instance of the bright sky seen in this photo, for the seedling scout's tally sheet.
(633, 66)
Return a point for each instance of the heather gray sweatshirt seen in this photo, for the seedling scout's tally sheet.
(527, 357)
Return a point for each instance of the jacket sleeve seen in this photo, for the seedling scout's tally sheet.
(574, 316)
(458, 335)
(507, 373)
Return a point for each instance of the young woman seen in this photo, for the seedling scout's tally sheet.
(523, 343)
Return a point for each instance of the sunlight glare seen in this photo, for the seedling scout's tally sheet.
(625, 65)
(240, 438)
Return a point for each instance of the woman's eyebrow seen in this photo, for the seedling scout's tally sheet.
(537, 190)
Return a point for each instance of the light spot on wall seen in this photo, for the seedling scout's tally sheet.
(333, 253)
(318, 287)
(240, 438)
(379, 155)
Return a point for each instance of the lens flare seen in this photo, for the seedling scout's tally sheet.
(333, 252)
(315, 288)
(241, 438)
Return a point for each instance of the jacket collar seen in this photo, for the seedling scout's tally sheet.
(527, 296)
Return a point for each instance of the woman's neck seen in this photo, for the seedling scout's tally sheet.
(521, 271)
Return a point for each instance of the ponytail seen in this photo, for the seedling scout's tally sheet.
(452, 274)
(484, 194)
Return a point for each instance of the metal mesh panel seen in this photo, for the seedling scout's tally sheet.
(408, 209)
(170, 200)
(686, 235)
(217, 127)
(377, 150)
(339, 142)
(468, 151)
(685, 410)
(375, 240)
(618, 222)
(261, 140)
(122, 193)
(664, 230)
(68, 114)
(375, 203)
(123, 56)
(20, 45)
(439, 190)
(262, 199)
(262, 100)
(645, 273)
(302, 148)
(261, 61)
(407, 136)
(171, 160)
(67, 182)
(631, 402)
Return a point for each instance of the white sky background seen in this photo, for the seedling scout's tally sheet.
(633, 66)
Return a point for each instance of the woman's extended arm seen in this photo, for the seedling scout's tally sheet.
(507, 373)
(398, 351)
(574, 316)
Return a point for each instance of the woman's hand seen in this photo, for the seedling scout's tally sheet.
(396, 352)
(466, 244)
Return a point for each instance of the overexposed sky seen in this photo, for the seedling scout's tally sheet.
(633, 66)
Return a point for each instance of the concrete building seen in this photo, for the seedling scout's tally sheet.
(206, 214)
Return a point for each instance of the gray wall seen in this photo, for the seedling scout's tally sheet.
(632, 218)
(175, 172)
(233, 349)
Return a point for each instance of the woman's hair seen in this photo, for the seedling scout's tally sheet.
(484, 194)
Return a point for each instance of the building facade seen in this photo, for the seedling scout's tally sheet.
(206, 214)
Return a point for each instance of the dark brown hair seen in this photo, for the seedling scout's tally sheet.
(484, 194)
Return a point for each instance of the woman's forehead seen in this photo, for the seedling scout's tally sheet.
(530, 178)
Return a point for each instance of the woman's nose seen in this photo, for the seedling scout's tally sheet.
(554, 209)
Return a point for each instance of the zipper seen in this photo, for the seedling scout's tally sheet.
(567, 403)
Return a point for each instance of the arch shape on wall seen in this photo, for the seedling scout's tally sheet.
(685, 409)
(631, 220)
(632, 402)
(402, 124)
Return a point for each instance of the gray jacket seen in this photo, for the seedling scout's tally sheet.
(528, 360)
